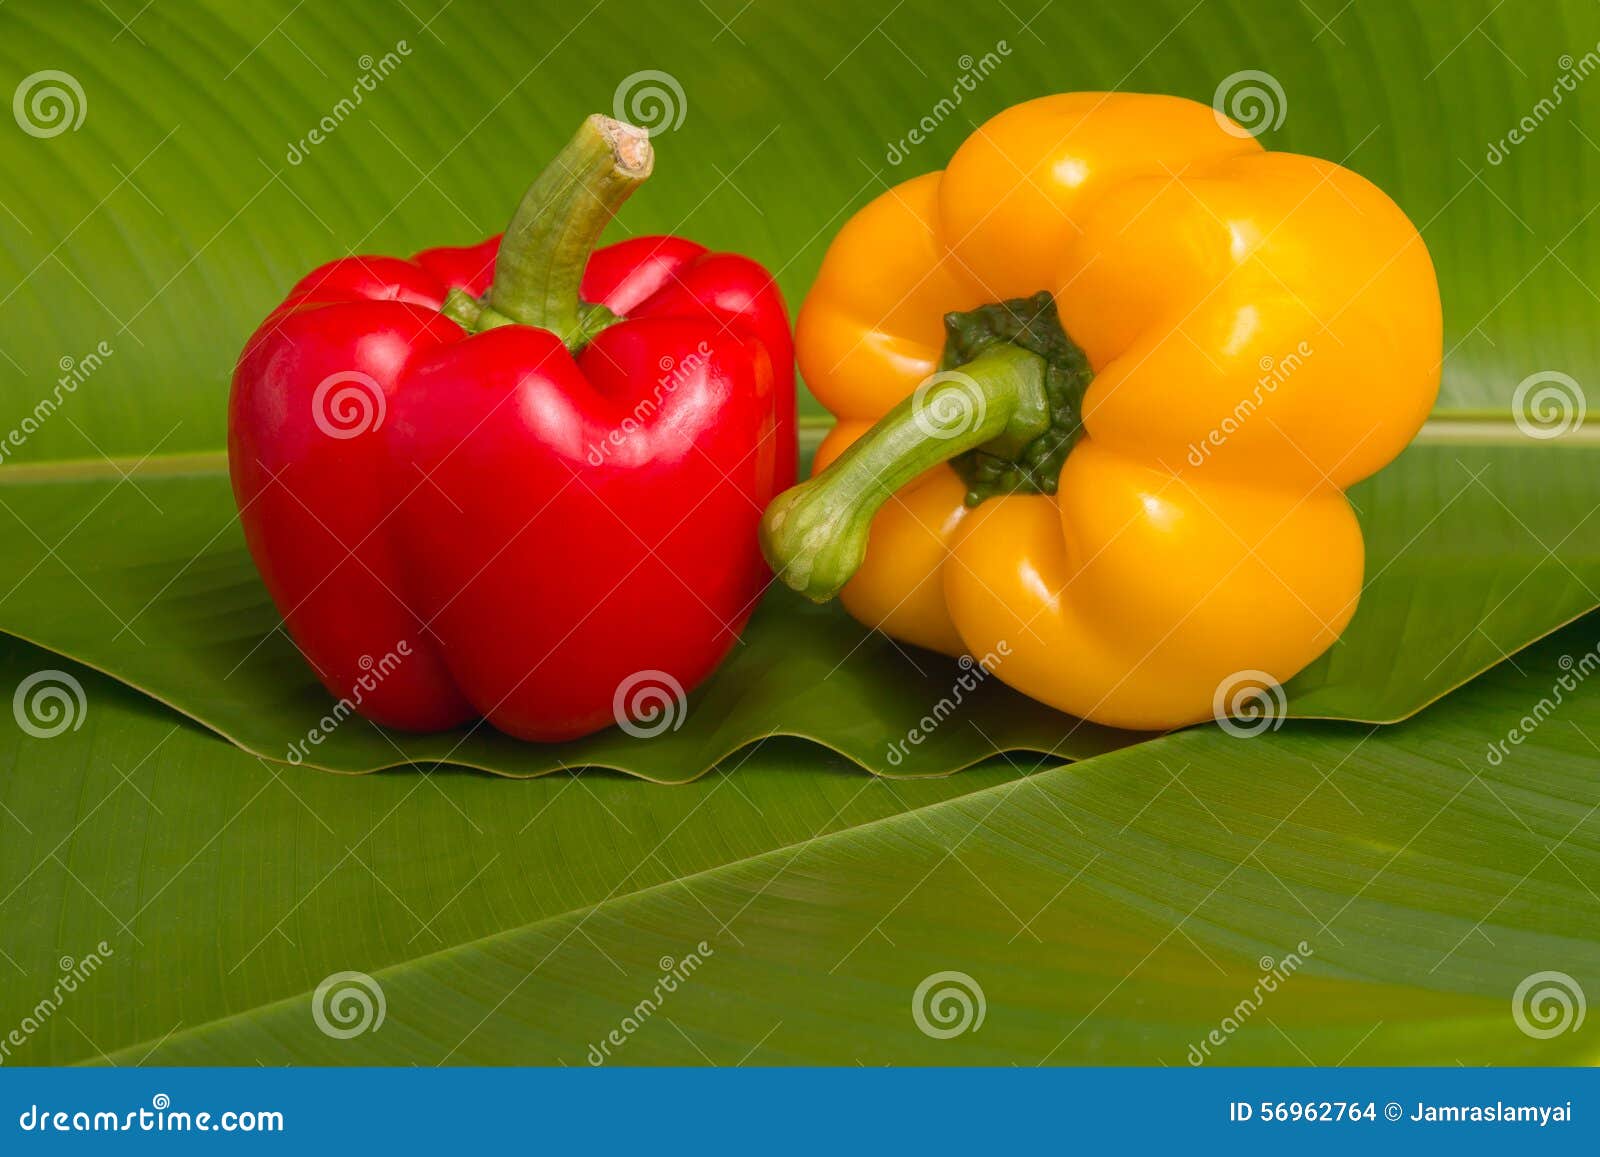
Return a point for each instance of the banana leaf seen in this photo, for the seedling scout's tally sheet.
(1472, 554)
(1126, 908)
(1395, 885)
(204, 156)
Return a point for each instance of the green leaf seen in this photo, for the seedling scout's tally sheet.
(172, 218)
(193, 193)
(1473, 551)
(1472, 554)
(1115, 910)
(107, 573)
(1112, 911)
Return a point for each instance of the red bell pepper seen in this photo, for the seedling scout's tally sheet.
(509, 496)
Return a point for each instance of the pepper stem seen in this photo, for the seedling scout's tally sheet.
(815, 534)
(556, 227)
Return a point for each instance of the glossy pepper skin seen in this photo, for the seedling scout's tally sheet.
(1262, 330)
(518, 522)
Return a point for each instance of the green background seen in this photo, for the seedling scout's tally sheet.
(172, 220)
(1112, 910)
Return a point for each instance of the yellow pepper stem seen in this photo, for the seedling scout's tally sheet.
(815, 534)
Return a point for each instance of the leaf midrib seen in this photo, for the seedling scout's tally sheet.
(1479, 429)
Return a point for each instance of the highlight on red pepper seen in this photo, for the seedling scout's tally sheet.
(518, 479)
(1101, 385)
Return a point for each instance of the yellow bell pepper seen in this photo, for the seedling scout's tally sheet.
(1100, 387)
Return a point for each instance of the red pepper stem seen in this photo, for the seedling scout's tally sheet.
(815, 534)
(557, 226)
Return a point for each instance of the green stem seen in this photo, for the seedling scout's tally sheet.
(557, 226)
(462, 308)
(815, 534)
